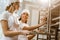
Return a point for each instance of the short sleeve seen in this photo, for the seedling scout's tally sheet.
(4, 16)
(22, 25)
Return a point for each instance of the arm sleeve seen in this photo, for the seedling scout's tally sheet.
(4, 16)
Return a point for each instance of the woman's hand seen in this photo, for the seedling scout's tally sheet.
(41, 24)
(44, 18)
(39, 31)
(43, 21)
(25, 32)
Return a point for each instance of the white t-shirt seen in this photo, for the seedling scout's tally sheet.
(5, 16)
(11, 20)
(21, 26)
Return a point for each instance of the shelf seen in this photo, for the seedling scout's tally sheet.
(42, 39)
(55, 18)
(55, 24)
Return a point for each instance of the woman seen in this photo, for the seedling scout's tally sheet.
(7, 33)
(24, 26)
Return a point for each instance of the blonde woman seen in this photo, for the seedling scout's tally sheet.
(24, 26)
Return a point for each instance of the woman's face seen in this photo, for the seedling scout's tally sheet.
(24, 16)
(16, 6)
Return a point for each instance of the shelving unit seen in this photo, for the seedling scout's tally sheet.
(53, 24)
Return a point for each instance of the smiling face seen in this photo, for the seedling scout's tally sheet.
(24, 17)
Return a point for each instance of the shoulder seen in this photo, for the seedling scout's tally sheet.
(5, 15)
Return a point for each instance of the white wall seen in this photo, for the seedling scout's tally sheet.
(34, 17)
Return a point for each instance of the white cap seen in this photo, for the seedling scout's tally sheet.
(25, 10)
(11, 1)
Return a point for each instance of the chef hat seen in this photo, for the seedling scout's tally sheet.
(25, 10)
(11, 1)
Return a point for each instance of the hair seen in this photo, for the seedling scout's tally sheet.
(19, 19)
(9, 6)
(12, 5)
(16, 3)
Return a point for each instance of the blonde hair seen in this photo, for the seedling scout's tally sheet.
(9, 6)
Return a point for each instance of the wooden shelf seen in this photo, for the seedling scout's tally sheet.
(55, 24)
(55, 18)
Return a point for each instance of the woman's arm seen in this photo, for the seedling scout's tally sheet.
(33, 27)
(37, 26)
(6, 30)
